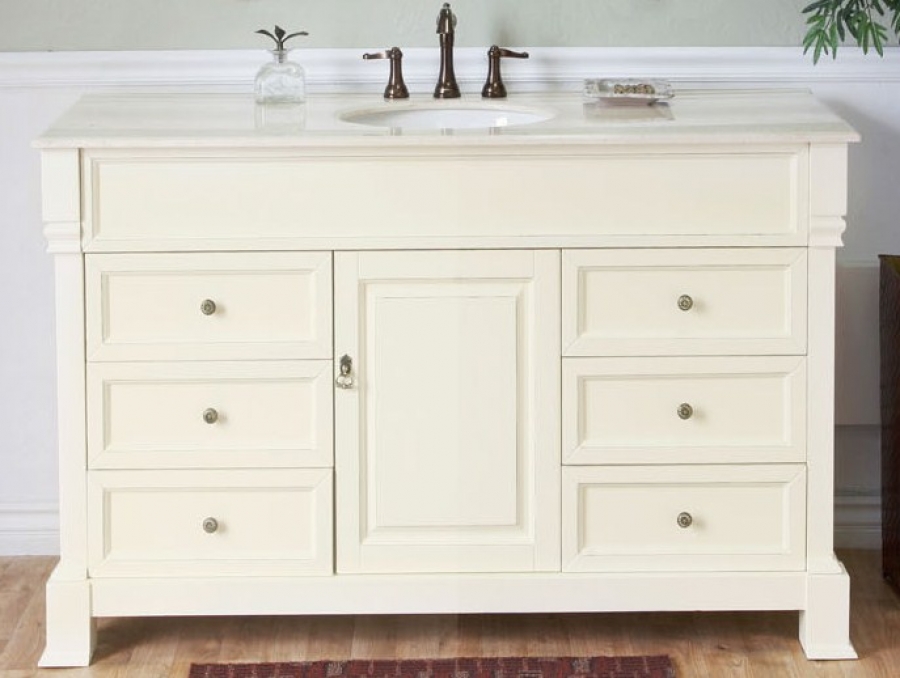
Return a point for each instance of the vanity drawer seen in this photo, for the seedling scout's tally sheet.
(145, 199)
(210, 414)
(684, 302)
(218, 523)
(208, 306)
(684, 410)
(671, 518)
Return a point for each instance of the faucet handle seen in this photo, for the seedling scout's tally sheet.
(494, 87)
(446, 21)
(396, 88)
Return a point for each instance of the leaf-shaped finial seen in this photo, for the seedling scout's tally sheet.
(280, 36)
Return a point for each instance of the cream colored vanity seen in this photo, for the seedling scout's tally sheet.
(584, 364)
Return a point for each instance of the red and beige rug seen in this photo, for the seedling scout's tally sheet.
(502, 667)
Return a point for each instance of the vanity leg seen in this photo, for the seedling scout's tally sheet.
(825, 624)
(70, 628)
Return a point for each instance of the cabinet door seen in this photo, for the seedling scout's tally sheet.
(447, 440)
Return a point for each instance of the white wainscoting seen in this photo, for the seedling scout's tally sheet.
(857, 521)
(29, 529)
(36, 87)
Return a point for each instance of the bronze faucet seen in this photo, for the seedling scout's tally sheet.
(494, 87)
(446, 28)
(396, 88)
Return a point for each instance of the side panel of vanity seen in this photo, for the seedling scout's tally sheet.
(604, 386)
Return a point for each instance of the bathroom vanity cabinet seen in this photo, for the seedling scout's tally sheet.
(579, 365)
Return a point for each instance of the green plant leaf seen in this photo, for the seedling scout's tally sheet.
(871, 24)
(280, 36)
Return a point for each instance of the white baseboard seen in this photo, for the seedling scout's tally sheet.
(29, 530)
(857, 521)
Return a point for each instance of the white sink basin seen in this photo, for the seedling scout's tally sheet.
(443, 115)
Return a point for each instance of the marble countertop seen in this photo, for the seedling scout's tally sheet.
(234, 120)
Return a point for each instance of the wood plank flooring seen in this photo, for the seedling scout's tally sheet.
(704, 645)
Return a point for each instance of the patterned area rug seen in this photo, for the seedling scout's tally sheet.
(504, 667)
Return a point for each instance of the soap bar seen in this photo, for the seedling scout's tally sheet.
(627, 91)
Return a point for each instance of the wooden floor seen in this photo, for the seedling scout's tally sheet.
(701, 644)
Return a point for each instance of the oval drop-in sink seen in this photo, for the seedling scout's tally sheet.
(445, 116)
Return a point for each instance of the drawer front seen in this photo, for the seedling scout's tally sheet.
(728, 518)
(684, 410)
(157, 523)
(210, 414)
(208, 306)
(684, 302)
(184, 200)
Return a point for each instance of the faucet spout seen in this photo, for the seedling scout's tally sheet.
(446, 87)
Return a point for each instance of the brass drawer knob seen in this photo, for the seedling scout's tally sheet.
(685, 411)
(210, 525)
(207, 307)
(210, 416)
(685, 303)
(685, 520)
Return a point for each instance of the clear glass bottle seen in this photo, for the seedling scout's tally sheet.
(281, 81)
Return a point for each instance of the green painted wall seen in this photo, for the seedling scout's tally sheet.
(29, 25)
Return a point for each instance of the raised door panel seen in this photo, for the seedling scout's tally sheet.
(684, 410)
(447, 443)
(684, 302)
(274, 305)
(210, 523)
(658, 518)
(210, 414)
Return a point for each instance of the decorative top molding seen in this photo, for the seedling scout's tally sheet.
(550, 68)
(63, 237)
(826, 232)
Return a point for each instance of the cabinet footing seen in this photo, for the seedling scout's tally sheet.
(71, 631)
(825, 623)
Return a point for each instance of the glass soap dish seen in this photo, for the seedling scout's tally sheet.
(627, 91)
